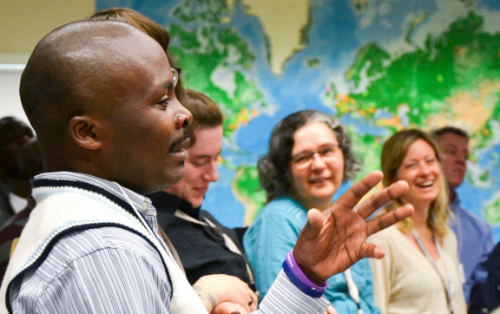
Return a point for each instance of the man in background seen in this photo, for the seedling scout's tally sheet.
(30, 163)
(474, 238)
(14, 186)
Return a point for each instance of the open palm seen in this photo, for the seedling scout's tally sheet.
(333, 240)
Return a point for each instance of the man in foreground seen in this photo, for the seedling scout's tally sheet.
(474, 238)
(100, 96)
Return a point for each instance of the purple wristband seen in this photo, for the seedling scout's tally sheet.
(299, 279)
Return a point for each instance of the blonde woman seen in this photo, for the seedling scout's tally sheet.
(420, 272)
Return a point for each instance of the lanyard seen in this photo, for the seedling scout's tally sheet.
(353, 290)
(460, 243)
(458, 222)
(450, 290)
(227, 240)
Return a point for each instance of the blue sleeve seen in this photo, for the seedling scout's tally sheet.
(266, 243)
(366, 294)
(480, 274)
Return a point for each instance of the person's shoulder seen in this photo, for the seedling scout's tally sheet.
(205, 214)
(473, 219)
(208, 215)
(449, 238)
(165, 202)
(278, 213)
(80, 256)
(285, 206)
(82, 246)
(77, 244)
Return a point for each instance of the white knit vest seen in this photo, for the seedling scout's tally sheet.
(62, 209)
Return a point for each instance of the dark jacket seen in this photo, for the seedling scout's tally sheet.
(485, 297)
(202, 249)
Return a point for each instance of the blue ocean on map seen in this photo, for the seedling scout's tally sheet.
(334, 35)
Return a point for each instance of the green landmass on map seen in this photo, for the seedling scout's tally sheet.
(248, 185)
(201, 44)
(492, 213)
(455, 76)
(314, 62)
(426, 81)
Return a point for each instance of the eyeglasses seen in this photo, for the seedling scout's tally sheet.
(305, 158)
(176, 73)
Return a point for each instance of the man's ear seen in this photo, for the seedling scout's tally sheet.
(83, 130)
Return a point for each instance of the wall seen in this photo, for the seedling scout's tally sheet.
(23, 24)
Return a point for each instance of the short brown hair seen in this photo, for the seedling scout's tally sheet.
(205, 111)
(450, 129)
(137, 20)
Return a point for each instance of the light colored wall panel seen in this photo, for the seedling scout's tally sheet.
(23, 24)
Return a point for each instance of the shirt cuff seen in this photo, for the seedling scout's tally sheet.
(285, 297)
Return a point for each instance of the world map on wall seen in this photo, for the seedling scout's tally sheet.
(377, 65)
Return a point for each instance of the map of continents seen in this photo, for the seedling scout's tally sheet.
(378, 66)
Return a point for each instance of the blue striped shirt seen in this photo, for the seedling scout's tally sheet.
(113, 270)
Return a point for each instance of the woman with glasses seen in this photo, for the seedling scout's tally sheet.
(310, 155)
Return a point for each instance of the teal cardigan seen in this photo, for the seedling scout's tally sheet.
(274, 233)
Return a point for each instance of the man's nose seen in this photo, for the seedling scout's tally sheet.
(183, 117)
(461, 158)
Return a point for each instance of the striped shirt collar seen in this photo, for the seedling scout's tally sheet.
(120, 194)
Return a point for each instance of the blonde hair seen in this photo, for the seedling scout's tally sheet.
(393, 153)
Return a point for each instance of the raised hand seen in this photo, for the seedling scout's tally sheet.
(333, 240)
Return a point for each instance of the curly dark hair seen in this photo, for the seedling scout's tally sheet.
(274, 167)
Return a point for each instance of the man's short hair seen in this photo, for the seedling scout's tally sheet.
(450, 129)
(205, 111)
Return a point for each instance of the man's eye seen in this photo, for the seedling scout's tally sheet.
(164, 102)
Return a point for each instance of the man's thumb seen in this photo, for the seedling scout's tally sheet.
(314, 224)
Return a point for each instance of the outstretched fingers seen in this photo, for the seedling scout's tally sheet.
(350, 198)
(369, 250)
(388, 219)
(312, 229)
(381, 198)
